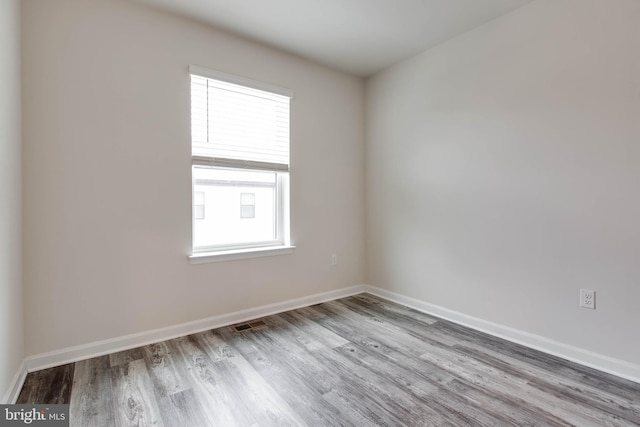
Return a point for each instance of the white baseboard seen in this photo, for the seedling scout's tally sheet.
(581, 356)
(584, 357)
(100, 348)
(16, 385)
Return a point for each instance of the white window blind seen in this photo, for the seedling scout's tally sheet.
(239, 126)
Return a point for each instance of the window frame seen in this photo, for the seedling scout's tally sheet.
(282, 244)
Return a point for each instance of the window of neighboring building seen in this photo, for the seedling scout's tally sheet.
(198, 205)
(240, 163)
(248, 205)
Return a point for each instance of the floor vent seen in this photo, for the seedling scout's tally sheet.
(246, 326)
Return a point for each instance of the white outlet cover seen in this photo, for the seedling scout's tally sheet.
(588, 299)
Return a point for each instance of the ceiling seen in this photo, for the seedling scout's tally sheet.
(360, 37)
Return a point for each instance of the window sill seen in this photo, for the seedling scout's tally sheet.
(206, 257)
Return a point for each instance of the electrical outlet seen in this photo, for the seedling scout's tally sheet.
(588, 299)
(334, 259)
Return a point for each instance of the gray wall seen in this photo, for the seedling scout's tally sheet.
(503, 174)
(11, 321)
(108, 177)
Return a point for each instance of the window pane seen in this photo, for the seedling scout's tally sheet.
(247, 199)
(198, 198)
(247, 211)
(198, 211)
(228, 220)
(247, 205)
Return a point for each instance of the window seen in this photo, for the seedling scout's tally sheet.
(198, 204)
(240, 164)
(248, 205)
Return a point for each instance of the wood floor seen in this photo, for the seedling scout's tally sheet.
(358, 361)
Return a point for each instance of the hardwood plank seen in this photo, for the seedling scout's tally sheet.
(126, 356)
(500, 383)
(550, 364)
(385, 402)
(349, 414)
(396, 395)
(265, 402)
(392, 349)
(389, 354)
(291, 356)
(133, 398)
(511, 409)
(48, 386)
(565, 388)
(314, 330)
(301, 392)
(212, 385)
(380, 332)
(161, 363)
(412, 371)
(91, 402)
(389, 363)
(392, 310)
(182, 409)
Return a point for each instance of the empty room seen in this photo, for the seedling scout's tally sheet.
(322, 213)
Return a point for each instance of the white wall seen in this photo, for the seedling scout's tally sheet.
(11, 322)
(107, 174)
(503, 174)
